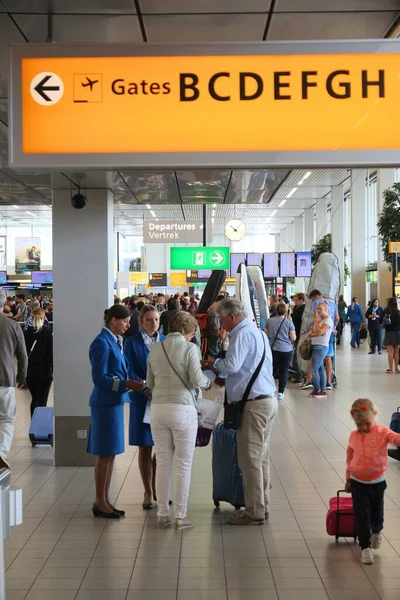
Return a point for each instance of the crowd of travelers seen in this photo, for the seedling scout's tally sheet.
(148, 355)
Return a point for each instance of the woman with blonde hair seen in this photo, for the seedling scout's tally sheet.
(39, 347)
(173, 374)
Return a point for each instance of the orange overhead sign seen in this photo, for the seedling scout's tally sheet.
(177, 279)
(228, 103)
(138, 278)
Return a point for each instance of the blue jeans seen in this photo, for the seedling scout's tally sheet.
(355, 334)
(318, 368)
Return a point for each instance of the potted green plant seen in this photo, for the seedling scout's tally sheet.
(389, 220)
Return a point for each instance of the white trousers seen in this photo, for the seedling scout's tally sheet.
(8, 414)
(174, 429)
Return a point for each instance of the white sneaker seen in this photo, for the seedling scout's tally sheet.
(163, 522)
(281, 396)
(366, 556)
(183, 524)
(376, 541)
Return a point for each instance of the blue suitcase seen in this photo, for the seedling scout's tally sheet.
(41, 430)
(395, 421)
(227, 478)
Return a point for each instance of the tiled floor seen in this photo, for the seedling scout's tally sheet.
(61, 552)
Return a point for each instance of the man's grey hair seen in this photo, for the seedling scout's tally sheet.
(3, 298)
(231, 306)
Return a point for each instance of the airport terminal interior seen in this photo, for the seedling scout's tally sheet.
(85, 221)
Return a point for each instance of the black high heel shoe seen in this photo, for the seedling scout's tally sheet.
(105, 515)
(121, 513)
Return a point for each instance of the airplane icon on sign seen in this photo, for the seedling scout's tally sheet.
(90, 82)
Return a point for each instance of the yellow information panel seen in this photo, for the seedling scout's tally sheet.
(231, 103)
(394, 247)
(138, 277)
(177, 279)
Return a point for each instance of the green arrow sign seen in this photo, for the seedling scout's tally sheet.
(199, 258)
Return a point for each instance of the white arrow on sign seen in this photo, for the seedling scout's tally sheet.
(216, 258)
(47, 88)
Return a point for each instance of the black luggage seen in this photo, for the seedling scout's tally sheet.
(227, 478)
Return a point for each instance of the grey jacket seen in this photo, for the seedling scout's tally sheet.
(12, 344)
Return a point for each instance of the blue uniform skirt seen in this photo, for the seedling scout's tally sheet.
(106, 435)
(139, 432)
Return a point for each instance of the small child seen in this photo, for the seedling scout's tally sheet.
(367, 461)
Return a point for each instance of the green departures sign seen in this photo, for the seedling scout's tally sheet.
(200, 258)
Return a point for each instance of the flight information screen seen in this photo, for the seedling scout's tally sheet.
(271, 265)
(287, 268)
(236, 259)
(42, 277)
(254, 259)
(3, 277)
(303, 264)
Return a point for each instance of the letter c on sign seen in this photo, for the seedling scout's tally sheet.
(211, 87)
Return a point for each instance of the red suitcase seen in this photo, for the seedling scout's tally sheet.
(340, 519)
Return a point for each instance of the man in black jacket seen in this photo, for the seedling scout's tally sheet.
(166, 316)
(297, 315)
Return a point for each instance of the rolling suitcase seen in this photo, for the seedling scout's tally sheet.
(395, 426)
(340, 519)
(227, 478)
(41, 430)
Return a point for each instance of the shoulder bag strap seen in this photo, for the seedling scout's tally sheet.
(176, 372)
(32, 348)
(254, 376)
(277, 333)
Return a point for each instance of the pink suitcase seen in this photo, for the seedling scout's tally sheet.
(340, 519)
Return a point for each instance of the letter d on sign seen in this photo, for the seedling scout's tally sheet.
(151, 226)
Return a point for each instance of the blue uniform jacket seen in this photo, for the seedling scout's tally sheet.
(354, 315)
(109, 371)
(137, 354)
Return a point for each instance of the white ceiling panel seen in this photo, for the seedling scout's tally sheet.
(204, 28)
(70, 6)
(337, 5)
(203, 6)
(329, 26)
(81, 28)
(9, 34)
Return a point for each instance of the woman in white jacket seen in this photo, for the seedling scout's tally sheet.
(173, 374)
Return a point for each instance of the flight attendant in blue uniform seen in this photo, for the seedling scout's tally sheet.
(110, 392)
(137, 349)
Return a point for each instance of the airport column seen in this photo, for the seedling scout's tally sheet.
(308, 228)
(337, 215)
(83, 288)
(290, 233)
(358, 236)
(298, 246)
(321, 218)
(385, 180)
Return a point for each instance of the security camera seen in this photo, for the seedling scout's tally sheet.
(78, 201)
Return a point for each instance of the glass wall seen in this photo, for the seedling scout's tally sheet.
(130, 253)
(371, 202)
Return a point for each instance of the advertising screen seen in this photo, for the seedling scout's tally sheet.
(287, 264)
(254, 259)
(303, 264)
(42, 277)
(3, 277)
(236, 259)
(271, 262)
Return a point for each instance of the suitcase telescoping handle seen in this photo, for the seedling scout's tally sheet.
(338, 512)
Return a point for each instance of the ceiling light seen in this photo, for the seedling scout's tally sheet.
(292, 191)
(153, 214)
(282, 203)
(31, 214)
(274, 212)
(148, 206)
(214, 205)
(17, 207)
(307, 175)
